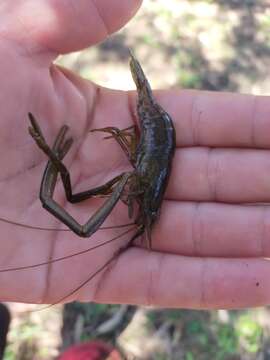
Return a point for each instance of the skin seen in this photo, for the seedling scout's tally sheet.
(211, 244)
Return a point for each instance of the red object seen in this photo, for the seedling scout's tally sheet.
(93, 350)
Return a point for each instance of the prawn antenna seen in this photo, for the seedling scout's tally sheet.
(34, 227)
(67, 256)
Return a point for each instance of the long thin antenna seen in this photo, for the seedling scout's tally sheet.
(67, 256)
(33, 227)
(91, 277)
(139, 232)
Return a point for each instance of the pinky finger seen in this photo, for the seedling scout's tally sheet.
(150, 278)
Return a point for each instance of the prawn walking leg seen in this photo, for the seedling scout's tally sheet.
(121, 136)
(54, 167)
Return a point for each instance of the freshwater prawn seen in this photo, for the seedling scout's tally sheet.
(141, 189)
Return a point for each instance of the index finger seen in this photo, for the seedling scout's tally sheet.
(204, 118)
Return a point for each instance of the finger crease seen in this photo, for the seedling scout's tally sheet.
(48, 273)
(155, 274)
(253, 137)
(212, 173)
(263, 230)
(196, 232)
(203, 283)
(195, 120)
(101, 18)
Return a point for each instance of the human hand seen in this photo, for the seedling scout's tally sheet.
(33, 33)
(210, 244)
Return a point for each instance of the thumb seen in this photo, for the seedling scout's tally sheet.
(62, 26)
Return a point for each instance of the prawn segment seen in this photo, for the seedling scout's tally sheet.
(144, 90)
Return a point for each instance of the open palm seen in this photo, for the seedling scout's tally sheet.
(212, 240)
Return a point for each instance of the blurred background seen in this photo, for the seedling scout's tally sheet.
(210, 45)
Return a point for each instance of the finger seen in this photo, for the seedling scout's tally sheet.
(225, 175)
(66, 25)
(213, 230)
(149, 278)
(211, 119)
(204, 118)
(201, 118)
